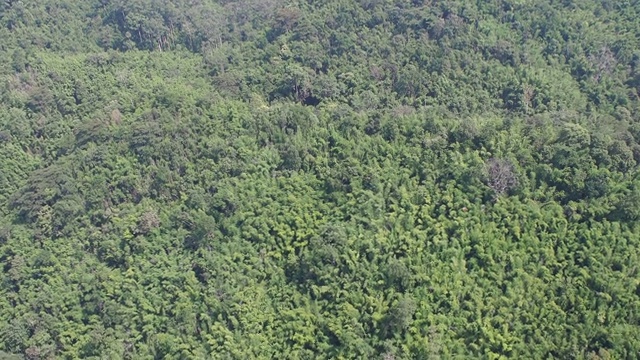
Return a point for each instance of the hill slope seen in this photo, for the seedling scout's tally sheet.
(338, 179)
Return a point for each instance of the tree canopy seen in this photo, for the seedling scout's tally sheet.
(276, 179)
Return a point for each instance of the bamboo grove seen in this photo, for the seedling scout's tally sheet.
(278, 179)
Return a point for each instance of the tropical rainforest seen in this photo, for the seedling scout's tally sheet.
(338, 179)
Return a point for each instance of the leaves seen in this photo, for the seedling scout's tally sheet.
(369, 179)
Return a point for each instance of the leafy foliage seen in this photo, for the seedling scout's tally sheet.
(337, 179)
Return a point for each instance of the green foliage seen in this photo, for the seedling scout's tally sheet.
(333, 180)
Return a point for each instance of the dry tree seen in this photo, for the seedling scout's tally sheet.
(501, 176)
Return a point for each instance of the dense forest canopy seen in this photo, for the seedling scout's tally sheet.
(340, 179)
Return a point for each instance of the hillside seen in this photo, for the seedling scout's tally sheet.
(276, 179)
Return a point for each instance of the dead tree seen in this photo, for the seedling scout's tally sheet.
(501, 176)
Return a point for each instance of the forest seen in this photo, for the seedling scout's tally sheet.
(302, 179)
